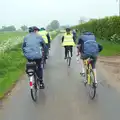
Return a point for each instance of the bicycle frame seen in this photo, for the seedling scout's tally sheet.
(90, 81)
(88, 67)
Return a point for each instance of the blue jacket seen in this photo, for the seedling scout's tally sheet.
(31, 46)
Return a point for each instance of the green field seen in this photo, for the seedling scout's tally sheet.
(12, 63)
(7, 35)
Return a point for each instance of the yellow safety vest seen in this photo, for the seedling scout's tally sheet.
(43, 34)
(68, 40)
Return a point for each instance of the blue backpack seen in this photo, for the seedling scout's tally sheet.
(90, 45)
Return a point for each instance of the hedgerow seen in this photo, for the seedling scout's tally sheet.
(107, 28)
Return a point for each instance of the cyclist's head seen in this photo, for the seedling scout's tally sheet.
(68, 30)
(35, 29)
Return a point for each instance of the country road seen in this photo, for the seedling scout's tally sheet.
(64, 98)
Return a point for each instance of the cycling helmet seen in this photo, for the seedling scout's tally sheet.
(42, 28)
(35, 28)
(68, 29)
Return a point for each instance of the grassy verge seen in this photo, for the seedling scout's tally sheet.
(109, 48)
(11, 67)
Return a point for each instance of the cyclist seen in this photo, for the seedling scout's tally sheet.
(68, 41)
(46, 38)
(32, 52)
(74, 33)
(88, 47)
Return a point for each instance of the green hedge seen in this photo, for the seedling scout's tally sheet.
(107, 28)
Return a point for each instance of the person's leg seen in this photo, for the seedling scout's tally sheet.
(82, 63)
(71, 50)
(94, 68)
(65, 51)
(39, 70)
(83, 72)
(40, 73)
(82, 66)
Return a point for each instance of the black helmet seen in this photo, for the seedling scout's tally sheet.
(42, 28)
(68, 29)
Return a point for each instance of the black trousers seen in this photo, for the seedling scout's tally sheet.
(68, 48)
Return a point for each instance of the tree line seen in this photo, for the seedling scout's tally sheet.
(52, 26)
(12, 28)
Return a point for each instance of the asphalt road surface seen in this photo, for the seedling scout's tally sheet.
(64, 98)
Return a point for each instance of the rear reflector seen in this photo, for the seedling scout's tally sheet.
(30, 84)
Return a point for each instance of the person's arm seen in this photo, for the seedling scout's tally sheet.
(48, 37)
(62, 39)
(79, 45)
(100, 47)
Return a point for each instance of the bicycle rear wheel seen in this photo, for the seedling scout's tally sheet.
(92, 87)
(33, 84)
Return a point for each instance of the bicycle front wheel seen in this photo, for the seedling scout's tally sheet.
(92, 88)
(68, 58)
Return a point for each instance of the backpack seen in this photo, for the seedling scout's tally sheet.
(91, 48)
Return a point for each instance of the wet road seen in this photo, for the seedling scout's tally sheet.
(65, 97)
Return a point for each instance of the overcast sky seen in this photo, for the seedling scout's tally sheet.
(41, 12)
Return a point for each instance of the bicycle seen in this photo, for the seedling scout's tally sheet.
(68, 57)
(31, 68)
(90, 77)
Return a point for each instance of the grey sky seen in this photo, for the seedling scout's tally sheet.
(41, 12)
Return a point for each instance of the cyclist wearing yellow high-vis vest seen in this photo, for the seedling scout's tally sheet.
(68, 41)
(46, 37)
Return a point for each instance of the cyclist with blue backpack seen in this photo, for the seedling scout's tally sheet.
(88, 47)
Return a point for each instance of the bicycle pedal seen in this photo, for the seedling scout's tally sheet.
(42, 86)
